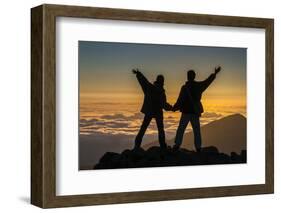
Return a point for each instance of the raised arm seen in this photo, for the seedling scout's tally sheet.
(142, 79)
(206, 83)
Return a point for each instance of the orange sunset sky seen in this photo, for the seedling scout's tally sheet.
(105, 73)
(110, 96)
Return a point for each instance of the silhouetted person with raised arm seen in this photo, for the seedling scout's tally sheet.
(153, 105)
(189, 103)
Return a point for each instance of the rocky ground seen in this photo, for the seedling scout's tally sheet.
(156, 157)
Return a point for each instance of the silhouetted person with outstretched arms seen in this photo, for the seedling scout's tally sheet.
(153, 105)
(189, 103)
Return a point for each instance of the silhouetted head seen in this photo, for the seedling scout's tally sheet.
(159, 80)
(191, 75)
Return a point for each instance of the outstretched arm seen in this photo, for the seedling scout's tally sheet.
(180, 99)
(205, 84)
(166, 105)
(142, 79)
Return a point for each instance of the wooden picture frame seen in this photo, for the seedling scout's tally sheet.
(43, 105)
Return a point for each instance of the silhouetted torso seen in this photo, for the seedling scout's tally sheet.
(189, 100)
(154, 97)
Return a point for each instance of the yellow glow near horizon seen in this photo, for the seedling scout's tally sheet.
(138, 97)
(131, 102)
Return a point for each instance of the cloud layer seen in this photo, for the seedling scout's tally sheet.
(104, 129)
(129, 123)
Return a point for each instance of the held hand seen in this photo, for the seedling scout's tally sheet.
(174, 109)
(217, 69)
(169, 107)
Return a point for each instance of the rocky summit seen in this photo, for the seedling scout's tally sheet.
(157, 157)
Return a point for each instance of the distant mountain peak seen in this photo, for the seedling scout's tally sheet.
(234, 116)
(228, 134)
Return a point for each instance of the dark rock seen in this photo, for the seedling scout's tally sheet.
(210, 149)
(157, 157)
(109, 156)
(234, 156)
(243, 155)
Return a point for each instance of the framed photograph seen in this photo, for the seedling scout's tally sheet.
(136, 106)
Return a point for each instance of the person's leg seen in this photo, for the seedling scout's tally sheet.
(161, 131)
(195, 123)
(145, 123)
(181, 128)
